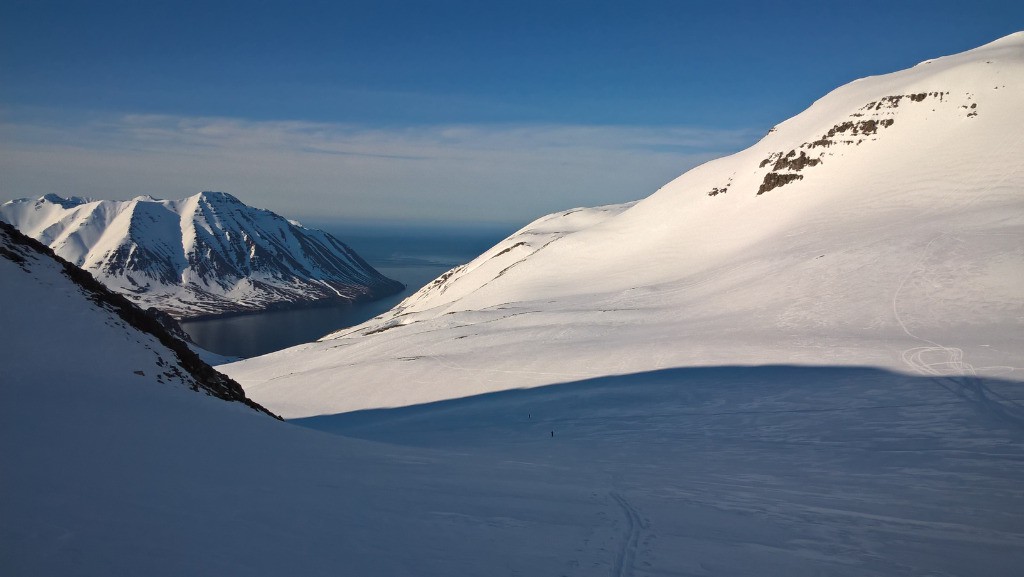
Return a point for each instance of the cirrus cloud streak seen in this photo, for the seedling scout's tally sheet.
(486, 173)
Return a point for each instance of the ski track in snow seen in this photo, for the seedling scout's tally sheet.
(954, 374)
(626, 557)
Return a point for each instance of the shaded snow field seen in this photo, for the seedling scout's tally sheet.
(737, 471)
(718, 471)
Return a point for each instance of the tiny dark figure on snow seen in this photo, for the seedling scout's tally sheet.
(552, 433)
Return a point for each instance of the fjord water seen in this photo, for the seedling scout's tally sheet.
(413, 256)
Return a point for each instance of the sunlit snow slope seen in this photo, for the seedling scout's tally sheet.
(204, 255)
(882, 226)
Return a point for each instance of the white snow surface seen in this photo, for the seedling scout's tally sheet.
(717, 471)
(899, 244)
(207, 254)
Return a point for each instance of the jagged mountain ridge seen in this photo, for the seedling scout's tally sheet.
(882, 226)
(207, 254)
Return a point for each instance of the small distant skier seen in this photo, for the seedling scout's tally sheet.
(552, 434)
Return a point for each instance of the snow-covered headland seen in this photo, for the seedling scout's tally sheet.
(205, 255)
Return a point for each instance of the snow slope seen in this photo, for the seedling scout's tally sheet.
(51, 307)
(207, 254)
(723, 471)
(883, 226)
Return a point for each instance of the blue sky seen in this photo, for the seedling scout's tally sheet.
(415, 110)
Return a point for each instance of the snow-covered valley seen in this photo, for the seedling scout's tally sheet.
(118, 468)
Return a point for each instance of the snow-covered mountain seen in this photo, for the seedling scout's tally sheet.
(207, 254)
(882, 226)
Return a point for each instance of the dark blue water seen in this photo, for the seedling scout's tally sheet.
(413, 256)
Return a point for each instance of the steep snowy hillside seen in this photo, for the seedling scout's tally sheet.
(207, 254)
(882, 226)
(58, 315)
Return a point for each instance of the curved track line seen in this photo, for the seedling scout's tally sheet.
(624, 560)
(961, 375)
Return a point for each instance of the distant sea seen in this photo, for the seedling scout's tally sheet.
(411, 254)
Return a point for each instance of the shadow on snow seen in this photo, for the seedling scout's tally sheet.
(849, 403)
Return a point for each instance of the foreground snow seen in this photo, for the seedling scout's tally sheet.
(883, 226)
(744, 470)
(719, 471)
(113, 466)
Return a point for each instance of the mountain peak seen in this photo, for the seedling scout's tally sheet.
(69, 202)
(217, 196)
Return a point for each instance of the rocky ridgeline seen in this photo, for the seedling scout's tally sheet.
(186, 366)
(861, 126)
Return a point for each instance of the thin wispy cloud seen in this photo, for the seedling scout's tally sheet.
(505, 173)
